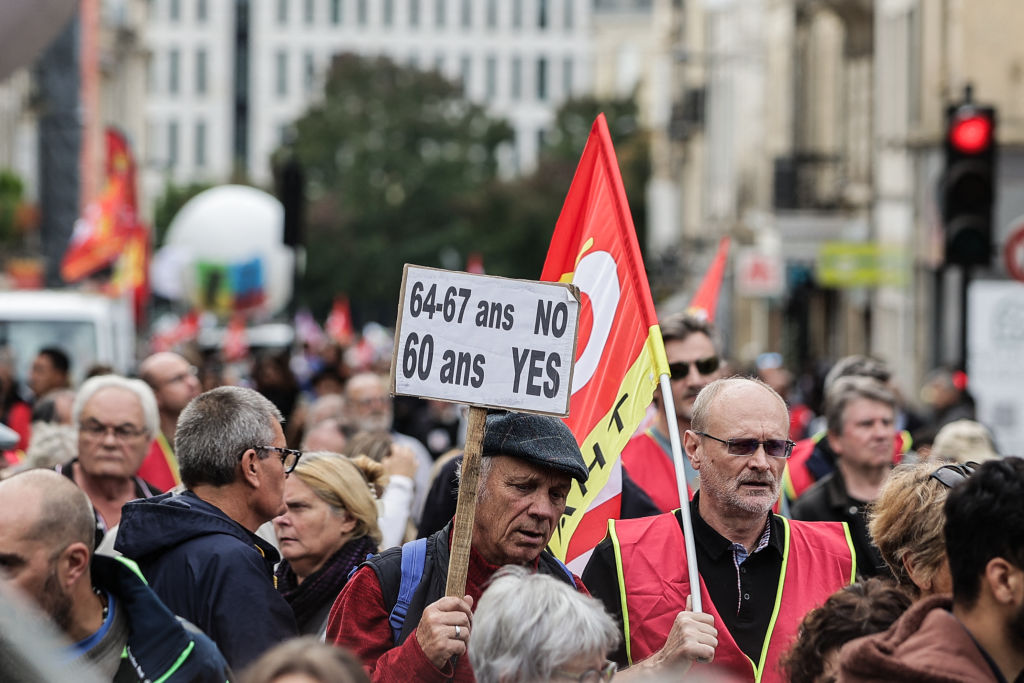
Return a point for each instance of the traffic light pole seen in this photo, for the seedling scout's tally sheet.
(965, 281)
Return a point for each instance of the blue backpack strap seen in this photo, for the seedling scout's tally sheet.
(414, 557)
(565, 569)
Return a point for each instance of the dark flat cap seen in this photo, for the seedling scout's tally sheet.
(539, 439)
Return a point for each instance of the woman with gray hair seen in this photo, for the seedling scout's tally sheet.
(531, 627)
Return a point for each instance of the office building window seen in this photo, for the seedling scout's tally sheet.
(201, 11)
(201, 71)
(175, 10)
(439, 63)
(440, 12)
(414, 13)
(492, 13)
(567, 66)
(173, 65)
(515, 79)
(517, 13)
(200, 144)
(490, 77)
(569, 15)
(361, 12)
(281, 73)
(542, 79)
(336, 11)
(542, 14)
(310, 12)
(172, 144)
(466, 15)
(389, 12)
(542, 138)
(308, 72)
(282, 12)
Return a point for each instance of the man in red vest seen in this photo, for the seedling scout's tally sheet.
(760, 573)
(694, 363)
(174, 381)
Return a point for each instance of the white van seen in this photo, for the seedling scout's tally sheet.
(90, 328)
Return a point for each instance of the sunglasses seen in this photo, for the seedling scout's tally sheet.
(605, 673)
(951, 475)
(705, 366)
(776, 448)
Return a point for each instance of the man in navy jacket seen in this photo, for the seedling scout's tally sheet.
(199, 549)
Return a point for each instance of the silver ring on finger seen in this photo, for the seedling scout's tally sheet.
(458, 632)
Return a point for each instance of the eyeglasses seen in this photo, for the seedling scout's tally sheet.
(776, 448)
(97, 430)
(605, 673)
(705, 366)
(289, 456)
(951, 475)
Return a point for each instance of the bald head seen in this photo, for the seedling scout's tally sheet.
(47, 507)
(727, 391)
(173, 379)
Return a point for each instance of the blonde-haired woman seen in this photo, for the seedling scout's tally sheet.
(329, 527)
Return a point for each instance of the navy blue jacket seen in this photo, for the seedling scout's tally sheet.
(210, 570)
(160, 646)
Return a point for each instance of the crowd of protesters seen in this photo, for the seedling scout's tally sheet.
(293, 522)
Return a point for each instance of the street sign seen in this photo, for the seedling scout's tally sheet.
(1013, 252)
(486, 341)
(759, 273)
(856, 264)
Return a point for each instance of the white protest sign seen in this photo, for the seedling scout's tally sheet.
(486, 341)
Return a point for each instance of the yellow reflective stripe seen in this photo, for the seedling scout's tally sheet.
(759, 669)
(788, 490)
(168, 453)
(131, 565)
(177, 665)
(622, 589)
(853, 551)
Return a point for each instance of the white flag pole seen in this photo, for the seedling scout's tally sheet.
(684, 497)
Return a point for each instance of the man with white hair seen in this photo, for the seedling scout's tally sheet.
(116, 417)
(759, 573)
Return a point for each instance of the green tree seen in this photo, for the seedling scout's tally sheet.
(395, 160)
(517, 218)
(11, 191)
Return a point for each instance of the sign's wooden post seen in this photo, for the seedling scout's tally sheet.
(465, 509)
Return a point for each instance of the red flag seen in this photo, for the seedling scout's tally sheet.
(620, 352)
(236, 346)
(475, 263)
(186, 330)
(705, 300)
(339, 323)
(100, 234)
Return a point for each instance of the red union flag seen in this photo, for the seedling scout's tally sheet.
(619, 354)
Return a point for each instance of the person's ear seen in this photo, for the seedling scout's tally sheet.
(910, 565)
(73, 564)
(834, 442)
(349, 524)
(1005, 581)
(691, 442)
(250, 467)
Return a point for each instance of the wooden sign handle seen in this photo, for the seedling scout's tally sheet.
(465, 509)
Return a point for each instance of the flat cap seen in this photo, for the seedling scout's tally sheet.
(539, 439)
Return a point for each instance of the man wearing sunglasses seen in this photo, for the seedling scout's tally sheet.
(199, 549)
(760, 573)
(694, 363)
(977, 634)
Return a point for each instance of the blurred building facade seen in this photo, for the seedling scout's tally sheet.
(227, 79)
(818, 141)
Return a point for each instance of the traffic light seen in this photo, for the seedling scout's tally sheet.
(968, 184)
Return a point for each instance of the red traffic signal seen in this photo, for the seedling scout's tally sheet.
(971, 133)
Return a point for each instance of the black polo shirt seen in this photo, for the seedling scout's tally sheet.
(743, 593)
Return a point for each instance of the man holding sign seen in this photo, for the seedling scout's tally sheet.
(393, 614)
(759, 572)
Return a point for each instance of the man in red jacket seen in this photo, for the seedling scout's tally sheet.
(760, 573)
